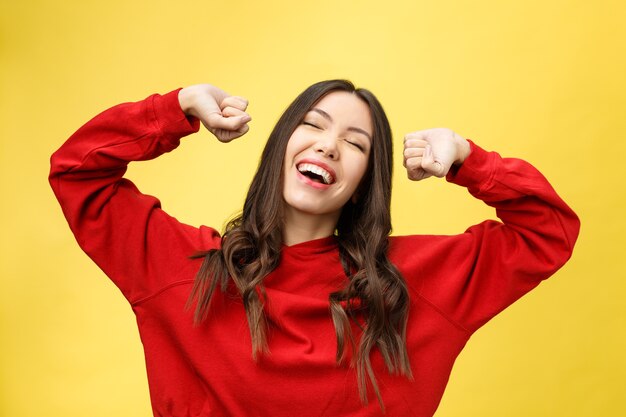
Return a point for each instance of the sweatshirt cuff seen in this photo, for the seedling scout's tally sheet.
(476, 172)
(172, 121)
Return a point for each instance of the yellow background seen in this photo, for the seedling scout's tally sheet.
(542, 80)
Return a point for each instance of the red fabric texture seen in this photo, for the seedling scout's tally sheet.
(456, 283)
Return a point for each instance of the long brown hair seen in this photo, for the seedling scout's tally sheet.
(252, 242)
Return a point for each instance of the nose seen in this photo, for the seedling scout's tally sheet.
(327, 147)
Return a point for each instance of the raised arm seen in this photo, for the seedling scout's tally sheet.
(473, 276)
(125, 232)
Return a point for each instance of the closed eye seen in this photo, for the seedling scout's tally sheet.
(311, 124)
(356, 145)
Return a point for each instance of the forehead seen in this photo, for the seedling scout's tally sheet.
(347, 109)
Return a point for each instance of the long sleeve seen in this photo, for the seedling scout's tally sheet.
(473, 276)
(126, 233)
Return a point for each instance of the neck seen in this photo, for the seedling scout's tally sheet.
(301, 227)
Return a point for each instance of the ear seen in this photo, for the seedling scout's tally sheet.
(355, 197)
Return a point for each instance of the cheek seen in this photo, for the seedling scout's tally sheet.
(359, 170)
(291, 150)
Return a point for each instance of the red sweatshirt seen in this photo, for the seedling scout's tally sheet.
(456, 283)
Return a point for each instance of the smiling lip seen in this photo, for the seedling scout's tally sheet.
(319, 164)
(309, 181)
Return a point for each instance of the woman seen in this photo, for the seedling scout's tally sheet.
(305, 306)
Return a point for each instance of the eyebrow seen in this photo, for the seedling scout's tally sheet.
(351, 128)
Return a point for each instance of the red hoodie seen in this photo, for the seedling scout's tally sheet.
(456, 283)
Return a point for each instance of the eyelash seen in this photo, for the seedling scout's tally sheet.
(355, 144)
(310, 124)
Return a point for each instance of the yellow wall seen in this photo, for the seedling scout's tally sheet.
(541, 79)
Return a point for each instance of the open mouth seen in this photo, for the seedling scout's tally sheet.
(316, 173)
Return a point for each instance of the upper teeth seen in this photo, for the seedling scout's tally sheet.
(316, 170)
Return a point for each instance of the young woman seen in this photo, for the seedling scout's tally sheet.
(305, 306)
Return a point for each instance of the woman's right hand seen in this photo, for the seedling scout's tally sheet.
(222, 114)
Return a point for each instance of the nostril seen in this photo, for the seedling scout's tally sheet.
(327, 151)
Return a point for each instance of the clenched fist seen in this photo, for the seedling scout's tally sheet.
(222, 114)
(432, 152)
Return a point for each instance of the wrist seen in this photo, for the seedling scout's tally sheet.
(463, 149)
(185, 100)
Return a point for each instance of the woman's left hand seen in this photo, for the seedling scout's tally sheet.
(432, 152)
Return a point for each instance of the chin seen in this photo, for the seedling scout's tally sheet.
(306, 206)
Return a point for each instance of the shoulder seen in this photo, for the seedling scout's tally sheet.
(422, 246)
(187, 238)
(417, 256)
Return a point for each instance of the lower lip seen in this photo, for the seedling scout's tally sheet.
(309, 181)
